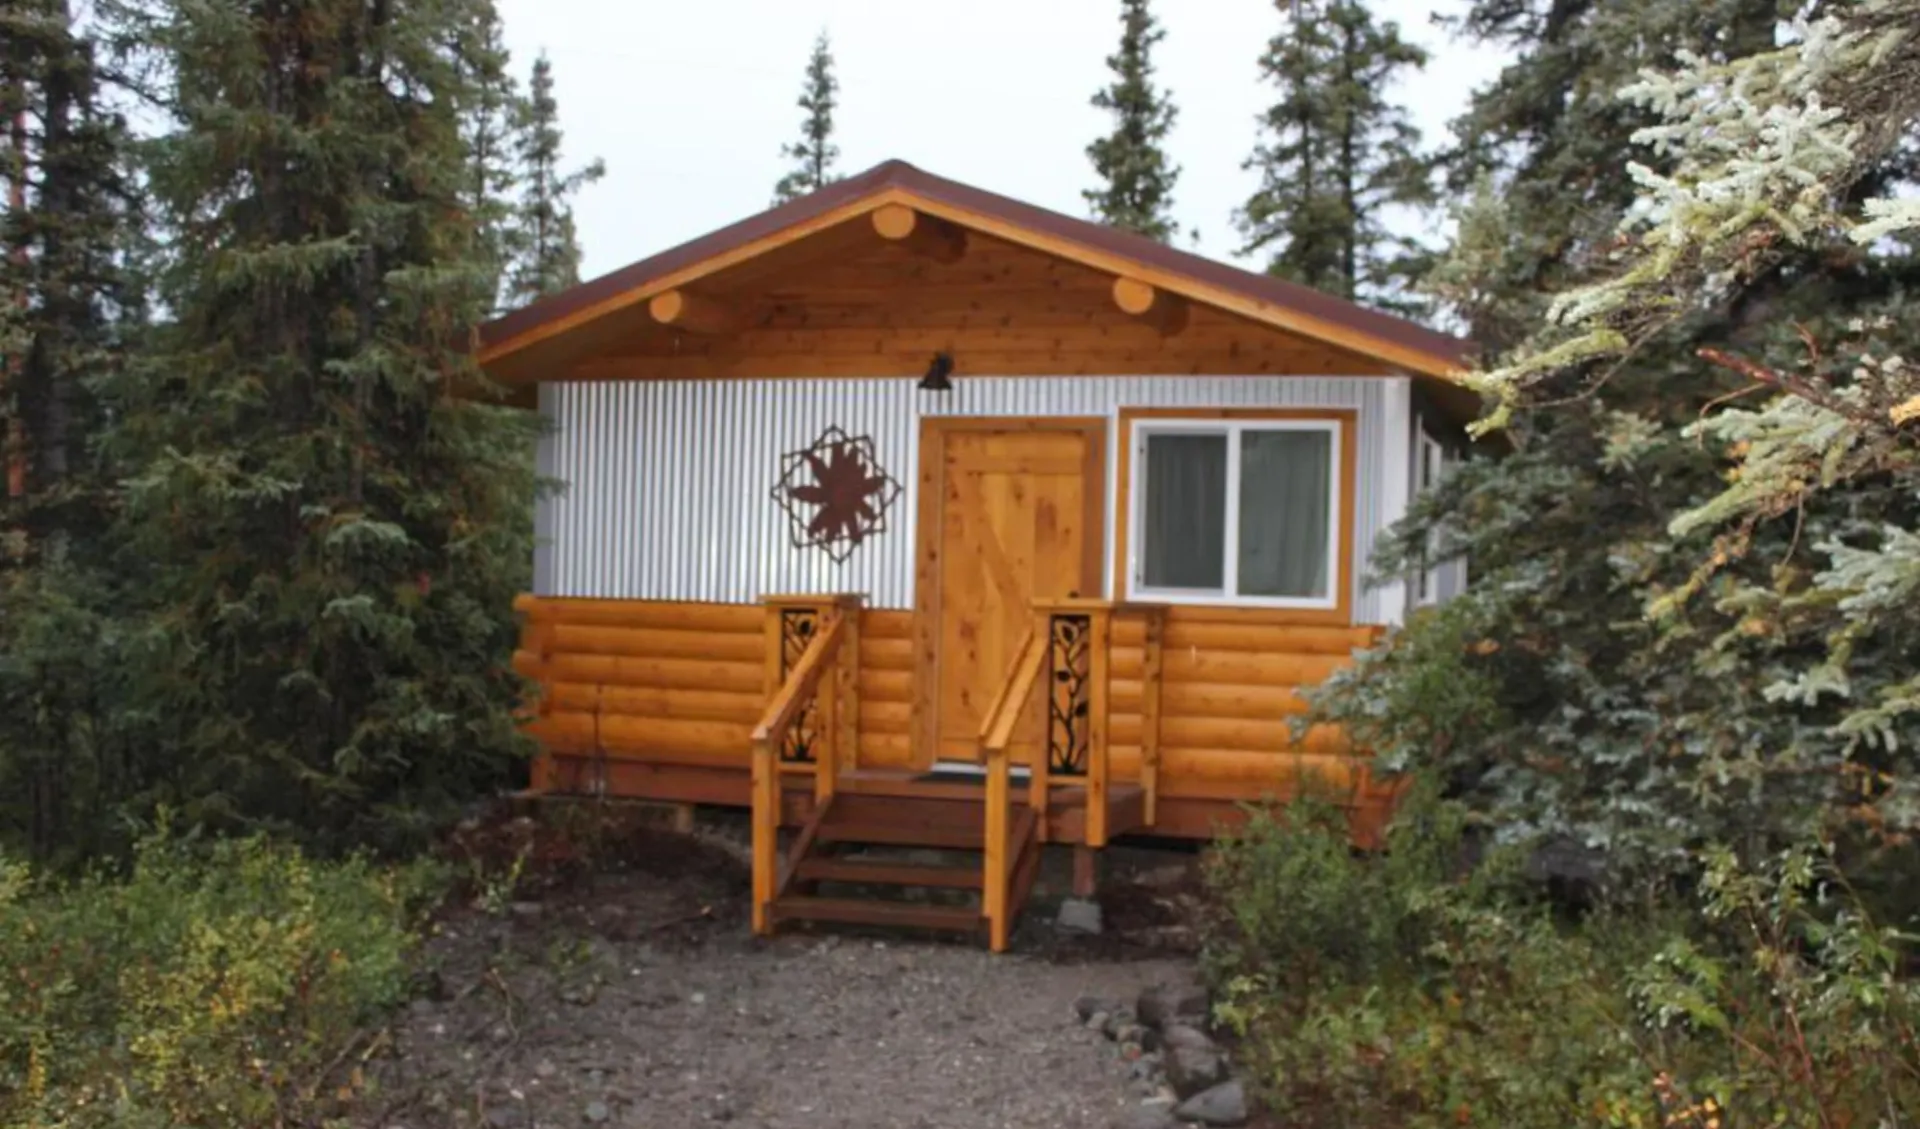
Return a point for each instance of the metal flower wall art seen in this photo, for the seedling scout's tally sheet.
(835, 493)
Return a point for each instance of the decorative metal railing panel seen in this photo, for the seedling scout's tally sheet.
(1069, 692)
(797, 628)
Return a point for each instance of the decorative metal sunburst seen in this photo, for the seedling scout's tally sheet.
(835, 493)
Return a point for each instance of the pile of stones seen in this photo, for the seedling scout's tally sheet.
(1180, 1074)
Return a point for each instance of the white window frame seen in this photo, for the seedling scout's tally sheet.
(1232, 429)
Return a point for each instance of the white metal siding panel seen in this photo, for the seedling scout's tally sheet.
(667, 483)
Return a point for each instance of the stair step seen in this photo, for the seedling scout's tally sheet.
(793, 907)
(886, 872)
(953, 837)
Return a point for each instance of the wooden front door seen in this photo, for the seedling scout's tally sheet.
(1010, 510)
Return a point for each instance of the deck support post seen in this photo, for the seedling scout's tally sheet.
(1086, 871)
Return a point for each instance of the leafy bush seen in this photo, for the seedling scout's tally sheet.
(213, 985)
(1402, 990)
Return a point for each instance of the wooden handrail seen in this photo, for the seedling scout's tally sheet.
(789, 702)
(996, 727)
(802, 680)
(996, 732)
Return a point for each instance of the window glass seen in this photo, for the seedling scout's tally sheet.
(1185, 512)
(1286, 481)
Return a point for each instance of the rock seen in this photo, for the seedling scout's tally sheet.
(596, 1112)
(1097, 1022)
(1145, 1117)
(506, 1117)
(1164, 877)
(1086, 1006)
(545, 1068)
(1146, 1068)
(1225, 1104)
(1165, 1004)
(526, 909)
(1191, 1070)
(1181, 1035)
(1078, 915)
(1117, 1022)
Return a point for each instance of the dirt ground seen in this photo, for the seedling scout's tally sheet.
(632, 994)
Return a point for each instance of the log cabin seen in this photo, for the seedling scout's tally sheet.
(910, 515)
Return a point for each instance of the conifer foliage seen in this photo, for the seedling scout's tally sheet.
(1137, 179)
(1337, 155)
(68, 310)
(814, 154)
(1683, 625)
(331, 518)
(542, 242)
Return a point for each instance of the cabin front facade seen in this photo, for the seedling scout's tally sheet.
(911, 515)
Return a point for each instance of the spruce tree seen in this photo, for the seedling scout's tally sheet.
(814, 154)
(1338, 158)
(333, 520)
(1568, 708)
(68, 309)
(1137, 190)
(489, 124)
(542, 242)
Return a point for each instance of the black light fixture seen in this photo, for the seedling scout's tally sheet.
(937, 372)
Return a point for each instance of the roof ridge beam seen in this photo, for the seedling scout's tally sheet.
(927, 236)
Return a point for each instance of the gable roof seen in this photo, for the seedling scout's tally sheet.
(1263, 298)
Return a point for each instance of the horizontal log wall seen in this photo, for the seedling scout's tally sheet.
(668, 683)
(684, 683)
(1228, 695)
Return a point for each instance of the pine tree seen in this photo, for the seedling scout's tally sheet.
(544, 247)
(1137, 193)
(489, 117)
(813, 155)
(1567, 706)
(68, 308)
(1544, 145)
(333, 523)
(1339, 158)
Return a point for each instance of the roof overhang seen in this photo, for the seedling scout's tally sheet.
(1393, 342)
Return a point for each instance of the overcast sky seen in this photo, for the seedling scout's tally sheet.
(689, 103)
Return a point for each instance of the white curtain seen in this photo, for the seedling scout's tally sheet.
(1186, 512)
(1285, 512)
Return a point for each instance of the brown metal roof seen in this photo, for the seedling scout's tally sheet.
(1443, 351)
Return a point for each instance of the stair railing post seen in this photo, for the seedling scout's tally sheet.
(1098, 624)
(1040, 765)
(766, 833)
(843, 716)
(993, 891)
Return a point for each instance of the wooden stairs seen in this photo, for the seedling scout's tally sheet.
(972, 837)
(900, 852)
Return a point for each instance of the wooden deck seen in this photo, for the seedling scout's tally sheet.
(802, 710)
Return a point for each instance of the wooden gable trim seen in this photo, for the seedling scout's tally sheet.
(1266, 313)
(1341, 613)
(693, 272)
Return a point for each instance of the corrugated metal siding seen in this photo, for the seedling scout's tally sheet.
(668, 482)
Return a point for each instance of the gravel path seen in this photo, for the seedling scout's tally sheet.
(644, 1002)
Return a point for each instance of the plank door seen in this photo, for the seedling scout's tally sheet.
(1018, 516)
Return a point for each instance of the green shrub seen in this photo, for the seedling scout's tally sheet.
(1396, 991)
(214, 985)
